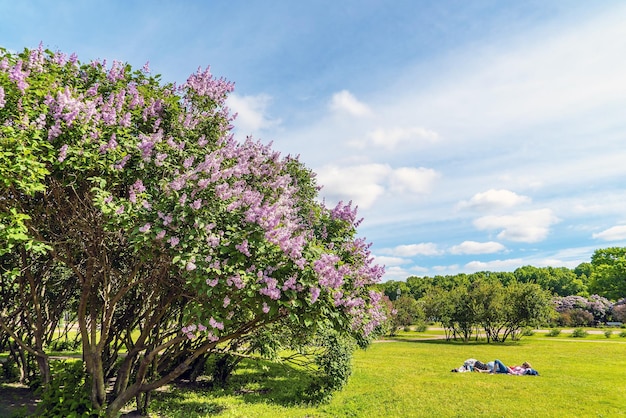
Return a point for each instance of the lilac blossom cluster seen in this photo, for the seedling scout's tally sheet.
(598, 306)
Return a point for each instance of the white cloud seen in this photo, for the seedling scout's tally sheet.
(473, 247)
(529, 226)
(412, 180)
(450, 269)
(393, 137)
(615, 233)
(344, 101)
(494, 199)
(364, 184)
(361, 184)
(251, 113)
(495, 265)
(390, 261)
(396, 273)
(410, 250)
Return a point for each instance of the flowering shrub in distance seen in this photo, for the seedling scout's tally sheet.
(164, 222)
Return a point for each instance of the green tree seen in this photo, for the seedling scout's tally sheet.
(488, 299)
(525, 304)
(407, 312)
(608, 277)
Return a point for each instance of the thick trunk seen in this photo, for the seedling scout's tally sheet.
(44, 368)
(96, 373)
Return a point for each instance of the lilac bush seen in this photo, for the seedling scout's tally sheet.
(165, 221)
(598, 307)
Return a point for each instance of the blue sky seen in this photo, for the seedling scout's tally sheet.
(473, 135)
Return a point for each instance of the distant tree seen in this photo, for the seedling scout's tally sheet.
(439, 307)
(488, 300)
(393, 289)
(525, 304)
(558, 281)
(407, 312)
(418, 286)
(608, 278)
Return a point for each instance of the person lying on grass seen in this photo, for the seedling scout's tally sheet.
(496, 366)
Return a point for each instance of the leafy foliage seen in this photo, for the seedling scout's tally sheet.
(131, 203)
(68, 394)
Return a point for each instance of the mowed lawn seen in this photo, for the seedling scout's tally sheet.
(578, 378)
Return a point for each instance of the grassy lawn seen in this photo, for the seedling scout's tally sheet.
(410, 377)
(581, 377)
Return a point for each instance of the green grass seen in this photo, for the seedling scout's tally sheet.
(410, 377)
(582, 377)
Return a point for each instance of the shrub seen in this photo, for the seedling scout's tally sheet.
(608, 333)
(576, 318)
(421, 327)
(64, 345)
(407, 329)
(528, 332)
(9, 372)
(67, 395)
(579, 333)
(622, 334)
(554, 332)
(334, 368)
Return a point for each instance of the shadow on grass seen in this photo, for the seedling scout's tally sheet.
(441, 341)
(16, 400)
(253, 382)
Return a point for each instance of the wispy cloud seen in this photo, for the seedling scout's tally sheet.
(473, 247)
(411, 250)
(364, 184)
(251, 113)
(615, 233)
(495, 265)
(391, 261)
(345, 102)
(393, 138)
(528, 226)
(494, 199)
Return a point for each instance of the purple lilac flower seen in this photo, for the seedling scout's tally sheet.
(145, 228)
(18, 76)
(2, 100)
(173, 241)
(120, 165)
(266, 308)
(315, 293)
(197, 204)
(190, 266)
(226, 301)
(243, 248)
(63, 153)
(215, 324)
(160, 235)
(188, 161)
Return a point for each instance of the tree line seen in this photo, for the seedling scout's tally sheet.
(503, 303)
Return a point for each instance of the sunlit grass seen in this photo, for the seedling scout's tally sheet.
(578, 377)
(410, 377)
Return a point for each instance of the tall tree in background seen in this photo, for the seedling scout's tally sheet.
(608, 277)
